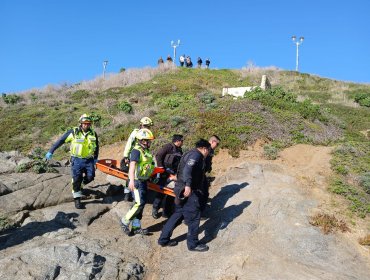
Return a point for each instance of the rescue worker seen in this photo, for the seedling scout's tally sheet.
(145, 122)
(214, 141)
(140, 169)
(167, 157)
(189, 192)
(84, 152)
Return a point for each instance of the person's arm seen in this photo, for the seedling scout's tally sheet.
(161, 154)
(191, 162)
(96, 153)
(129, 143)
(65, 138)
(131, 175)
(134, 159)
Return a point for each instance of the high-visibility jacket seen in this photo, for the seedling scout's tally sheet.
(130, 144)
(145, 165)
(83, 144)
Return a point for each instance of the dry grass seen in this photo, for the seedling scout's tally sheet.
(365, 240)
(126, 78)
(328, 223)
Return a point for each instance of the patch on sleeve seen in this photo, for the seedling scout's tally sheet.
(191, 162)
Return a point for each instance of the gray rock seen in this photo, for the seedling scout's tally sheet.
(65, 261)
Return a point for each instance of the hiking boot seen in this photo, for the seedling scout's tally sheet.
(170, 243)
(126, 229)
(200, 248)
(78, 204)
(155, 213)
(127, 197)
(142, 231)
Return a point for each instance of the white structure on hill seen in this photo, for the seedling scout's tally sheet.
(239, 91)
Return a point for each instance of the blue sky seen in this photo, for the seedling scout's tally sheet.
(52, 42)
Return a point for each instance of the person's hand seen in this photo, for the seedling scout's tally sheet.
(187, 191)
(48, 156)
(131, 185)
(126, 160)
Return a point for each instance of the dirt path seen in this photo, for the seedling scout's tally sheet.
(258, 223)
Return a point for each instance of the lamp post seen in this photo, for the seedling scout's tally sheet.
(175, 45)
(105, 62)
(297, 43)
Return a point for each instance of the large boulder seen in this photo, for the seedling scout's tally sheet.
(10, 160)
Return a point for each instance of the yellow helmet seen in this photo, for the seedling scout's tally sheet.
(85, 118)
(146, 121)
(144, 134)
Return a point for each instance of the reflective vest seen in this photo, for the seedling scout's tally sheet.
(145, 165)
(83, 144)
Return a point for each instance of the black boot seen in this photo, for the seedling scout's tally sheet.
(78, 203)
(155, 213)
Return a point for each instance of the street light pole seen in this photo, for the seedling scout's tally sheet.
(105, 62)
(297, 43)
(175, 45)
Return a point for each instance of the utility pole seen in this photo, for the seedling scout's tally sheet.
(105, 62)
(175, 45)
(297, 43)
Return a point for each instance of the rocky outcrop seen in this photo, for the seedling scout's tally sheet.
(67, 261)
(10, 160)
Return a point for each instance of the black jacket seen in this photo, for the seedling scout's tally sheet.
(190, 172)
(169, 148)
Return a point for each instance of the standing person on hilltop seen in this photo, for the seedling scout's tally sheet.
(199, 62)
(84, 152)
(160, 61)
(182, 60)
(189, 192)
(189, 64)
(140, 169)
(169, 59)
(167, 157)
(145, 122)
(208, 62)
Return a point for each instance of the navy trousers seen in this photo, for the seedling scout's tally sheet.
(79, 168)
(188, 211)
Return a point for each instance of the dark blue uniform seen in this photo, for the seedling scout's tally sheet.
(190, 173)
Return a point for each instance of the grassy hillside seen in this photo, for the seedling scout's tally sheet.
(300, 108)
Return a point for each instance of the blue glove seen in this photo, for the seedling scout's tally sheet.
(48, 156)
(95, 161)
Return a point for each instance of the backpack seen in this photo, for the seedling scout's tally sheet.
(172, 161)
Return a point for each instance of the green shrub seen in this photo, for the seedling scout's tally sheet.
(96, 118)
(11, 99)
(125, 107)
(365, 102)
(176, 120)
(363, 99)
(365, 182)
(33, 97)
(4, 223)
(270, 151)
(206, 97)
(172, 103)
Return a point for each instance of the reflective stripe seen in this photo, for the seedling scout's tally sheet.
(76, 194)
(134, 208)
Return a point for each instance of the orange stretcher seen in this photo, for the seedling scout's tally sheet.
(110, 166)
